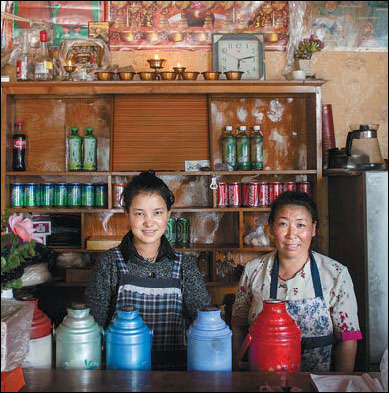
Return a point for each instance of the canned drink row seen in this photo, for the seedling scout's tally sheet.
(255, 194)
(178, 231)
(59, 195)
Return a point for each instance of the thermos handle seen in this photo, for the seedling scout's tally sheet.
(243, 350)
(350, 136)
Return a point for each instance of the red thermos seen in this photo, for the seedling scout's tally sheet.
(273, 341)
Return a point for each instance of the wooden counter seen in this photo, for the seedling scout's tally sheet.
(157, 381)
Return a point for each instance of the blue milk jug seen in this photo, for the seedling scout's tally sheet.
(209, 342)
(128, 341)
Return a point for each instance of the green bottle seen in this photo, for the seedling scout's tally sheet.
(243, 149)
(256, 148)
(74, 149)
(90, 151)
(229, 148)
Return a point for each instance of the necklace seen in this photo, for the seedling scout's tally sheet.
(149, 260)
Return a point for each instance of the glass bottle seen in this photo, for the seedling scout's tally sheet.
(229, 148)
(256, 148)
(24, 66)
(243, 149)
(90, 151)
(75, 148)
(43, 70)
(19, 149)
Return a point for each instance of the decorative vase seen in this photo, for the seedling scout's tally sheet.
(304, 65)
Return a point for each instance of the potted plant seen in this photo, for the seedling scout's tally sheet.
(304, 51)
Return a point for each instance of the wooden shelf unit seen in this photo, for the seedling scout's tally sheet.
(159, 125)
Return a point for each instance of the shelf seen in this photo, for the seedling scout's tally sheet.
(63, 173)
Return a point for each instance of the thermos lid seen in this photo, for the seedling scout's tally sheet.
(209, 308)
(78, 306)
(127, 308)
(41, 323)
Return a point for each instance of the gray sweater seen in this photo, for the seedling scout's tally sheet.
(102, 290)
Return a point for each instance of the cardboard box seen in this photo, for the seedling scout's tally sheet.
(103, 242)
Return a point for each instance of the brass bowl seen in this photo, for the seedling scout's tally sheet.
(211, 75)
(150, 36)
(190, 76)
(199, 36)
(126, 75)
(234, 75)
(176, 36)
(147, 76)
(168, 75)
(271, 37)
(104, 75)
(127, 36)
(70, 68)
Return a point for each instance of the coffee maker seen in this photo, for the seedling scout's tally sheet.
(362, 150)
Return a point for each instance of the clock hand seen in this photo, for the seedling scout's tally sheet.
(245, 58)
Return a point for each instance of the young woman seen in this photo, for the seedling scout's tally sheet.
(318, 290)
(144, 271)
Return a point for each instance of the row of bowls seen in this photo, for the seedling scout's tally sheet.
(167, 75)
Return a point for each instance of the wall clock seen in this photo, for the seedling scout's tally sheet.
(239, 52)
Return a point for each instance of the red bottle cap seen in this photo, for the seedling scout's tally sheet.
(43, 36)
(41, 324)
(19, 123)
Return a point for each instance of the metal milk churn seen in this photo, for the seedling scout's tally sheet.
(41, 341)
(273, 341)
(128, 341)
(78, 340)
(209, 342)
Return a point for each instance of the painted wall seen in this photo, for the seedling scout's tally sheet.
(357, 83)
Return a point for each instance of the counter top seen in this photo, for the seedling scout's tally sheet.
(157, 381)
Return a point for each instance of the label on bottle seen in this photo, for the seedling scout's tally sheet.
(48, 65)
(40, 68)
(19, 143)
(75, 154)
(90, 158)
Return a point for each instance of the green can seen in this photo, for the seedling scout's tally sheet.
(171, 231)
(100, 195)
(17, 195)
(88, 195)
(183, 231)
(47, 195)
(32, 195)
(74, 195)
(61, 195)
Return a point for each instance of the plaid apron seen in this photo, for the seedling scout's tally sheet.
(314, 319)
(158, 300)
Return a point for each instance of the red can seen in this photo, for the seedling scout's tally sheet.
(245, 192)
(304, 186)
(118, 189)
(253, 194)
(275, 189)
(263, 194)
(234, 194)
(222, 195)
(289, 186)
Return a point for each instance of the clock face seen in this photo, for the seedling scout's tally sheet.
(240, 55)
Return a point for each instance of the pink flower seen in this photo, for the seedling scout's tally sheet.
(22, 227)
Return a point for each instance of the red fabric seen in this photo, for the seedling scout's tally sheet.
(352, 335)
(12, 381)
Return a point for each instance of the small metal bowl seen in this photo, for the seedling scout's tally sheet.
(234, 75)
(147, 76)
(104, 75)
(150, 36)
(126, 36)
(176, 36)
(126, 75)
(168, 75)
(211, 75)
(190, 76)
(199, 36)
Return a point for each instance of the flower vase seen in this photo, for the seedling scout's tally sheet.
(304, 65)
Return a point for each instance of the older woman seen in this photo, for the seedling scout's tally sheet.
(318, 290)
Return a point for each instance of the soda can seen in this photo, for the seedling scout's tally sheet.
(100, 195)
(88, 195)
(289, 186)
(304, 186)
(32, 195)
(171, 231)
(182, 231)
(118, 189)
(74, 195)
(60, 195)
(17, 195)
(275, 189)
(253, 194)
(263, 194)
(222, 195)
(245, 194)
(47, 195)
(234, 194)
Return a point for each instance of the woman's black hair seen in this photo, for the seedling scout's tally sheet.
(294, 198)
(149, 183)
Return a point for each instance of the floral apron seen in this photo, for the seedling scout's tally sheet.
(313, 318)
(159, 302)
